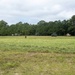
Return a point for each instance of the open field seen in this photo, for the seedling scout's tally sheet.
(38, 44)
(37, 55)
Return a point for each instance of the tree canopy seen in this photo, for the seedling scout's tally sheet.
(61, 28)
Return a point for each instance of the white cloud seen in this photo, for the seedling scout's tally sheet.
(32, 11)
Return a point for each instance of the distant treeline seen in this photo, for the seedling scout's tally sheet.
(42, 28)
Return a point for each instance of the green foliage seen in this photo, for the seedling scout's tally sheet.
(41, 28)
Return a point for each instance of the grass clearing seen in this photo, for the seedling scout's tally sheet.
(38, 44)
(41, 55)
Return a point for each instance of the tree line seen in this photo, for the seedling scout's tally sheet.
(42, 28)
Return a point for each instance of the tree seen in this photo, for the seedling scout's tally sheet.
(3, 27)
(41, 28)
(41, 22)
(71, 28)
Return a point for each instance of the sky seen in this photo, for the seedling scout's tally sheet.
(32, 11)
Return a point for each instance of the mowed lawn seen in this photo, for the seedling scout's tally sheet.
(37, 55)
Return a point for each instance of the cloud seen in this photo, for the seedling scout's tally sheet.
(32, 11)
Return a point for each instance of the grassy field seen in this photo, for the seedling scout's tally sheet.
(37, 55)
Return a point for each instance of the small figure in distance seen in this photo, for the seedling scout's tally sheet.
(25, 36)
(54, 34)
(68, 34)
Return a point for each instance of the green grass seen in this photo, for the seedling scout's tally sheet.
(38, 44)
(37, 55)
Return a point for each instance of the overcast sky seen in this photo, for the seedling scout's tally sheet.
(32, 11)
